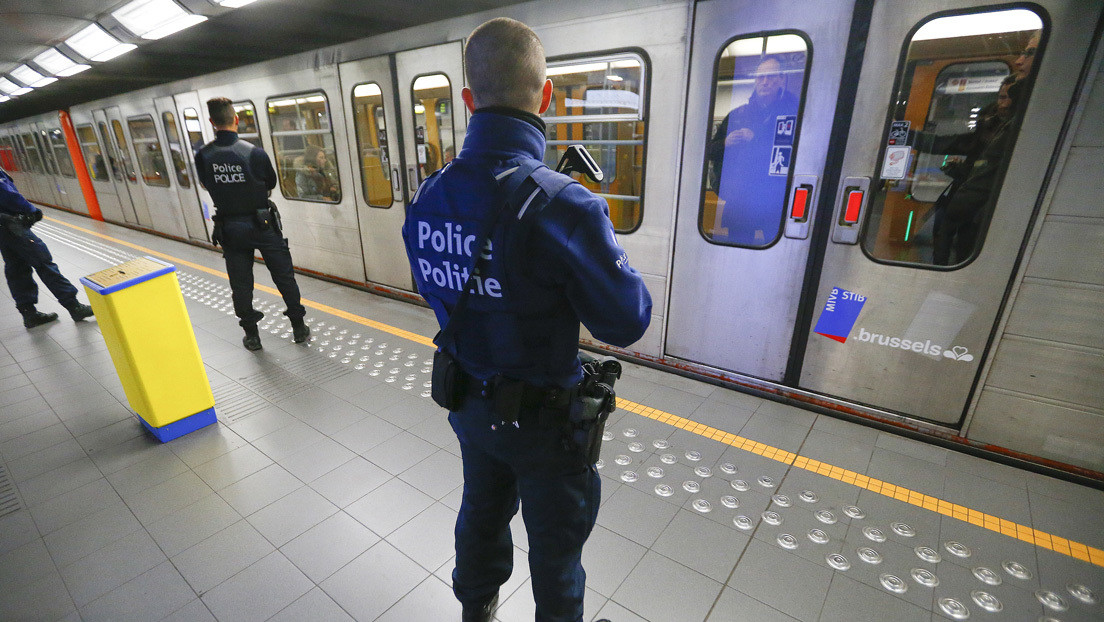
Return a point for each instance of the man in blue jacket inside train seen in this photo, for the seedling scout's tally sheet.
(516, 342)
(25, 253)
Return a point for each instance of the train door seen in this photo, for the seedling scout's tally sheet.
(762, 95)
(99, 170)
(369, 94)
(69, 189)
(49, 186)
(957, 117)
(130, 172)
(35, 186)
(180, 155)
(193, 126)
(115, 166)
(156, 171)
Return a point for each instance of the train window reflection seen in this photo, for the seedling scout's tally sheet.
(44, 150)
(304, 144)
(8, 155)
(371, 135)
(434, 140)
(31, 149)
(93, 157)
(193, 130)
(247, 124)
(147, 146)
(109, 147)
(599, 103)
(61, 153)
(752, 139)
(953, 123)
(124, 153)
(172, 136)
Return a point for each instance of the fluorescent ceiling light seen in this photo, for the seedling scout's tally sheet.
(1012, 20)
(780, 44)
(154, 19)
(434, 81)
(366, 90)
(744, 47)
(22, 91)
(232, 4)
(584, 68)
(58, 64)
(95, 44)
(613, 78)
(8, 87)
(30, 77)
(4, 98)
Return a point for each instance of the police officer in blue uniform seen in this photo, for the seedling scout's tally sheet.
(516, 341)
(25, 253)
(239, 176)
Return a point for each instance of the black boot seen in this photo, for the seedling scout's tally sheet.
(33, 317)
(483, 613)
(78, 312)
(300, 332)
(252, 339)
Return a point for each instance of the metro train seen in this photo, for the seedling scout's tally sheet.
(912, 238)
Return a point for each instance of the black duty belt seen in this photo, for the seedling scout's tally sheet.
(543, 406)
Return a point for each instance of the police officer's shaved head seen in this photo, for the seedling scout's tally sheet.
(221, 111)
(504, 61)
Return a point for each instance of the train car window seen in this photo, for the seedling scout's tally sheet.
(176, 151)
(21, 153)
(124, 153)
(194, 130)
(759, 83)
(598, 102)
(434, 138)
(30, 148)
(61, 153)
(304, 145)
(147, 146)
(371, 134)
(48, 162)
(7, 155)
(93, 157)
(112, 155)
(247, 124)
(954, 116)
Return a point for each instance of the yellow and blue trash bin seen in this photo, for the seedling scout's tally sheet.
(141, 313)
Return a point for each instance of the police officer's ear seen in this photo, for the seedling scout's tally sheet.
(546, 96)
(469, 99)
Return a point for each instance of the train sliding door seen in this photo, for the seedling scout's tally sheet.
(957, 117)
(172, 111)
(157, 172)
(99, 168)
(115, 167)
(371, 124)
(140, 209)
(763, 90)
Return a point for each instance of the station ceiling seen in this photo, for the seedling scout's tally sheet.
(229, 38)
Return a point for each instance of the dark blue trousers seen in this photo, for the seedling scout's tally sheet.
(24, 253)
(240, 238)
(558, 494)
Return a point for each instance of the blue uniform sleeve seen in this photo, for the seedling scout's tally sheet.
(262, 167)
(11, 202)
(607, 294)
(201, 170)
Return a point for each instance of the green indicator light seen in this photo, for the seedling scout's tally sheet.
(908, 229)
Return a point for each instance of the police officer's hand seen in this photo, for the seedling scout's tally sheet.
(37, 215)
(216, 234)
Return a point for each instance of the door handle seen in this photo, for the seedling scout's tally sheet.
(851, 203)
(412, 179)
(396, 181)
(801, 206)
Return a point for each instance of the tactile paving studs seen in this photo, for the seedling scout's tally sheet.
(636, 447)
(664, 490)
(986, 601)
(691, 486)
(668, 459)
(854, 512)
(957, 549)
(660, 443)
(728, 468)
(730, 502)
(924, 577)
(740, 485)
(606, 436)
(787, 541)
(772, 518)
(954, 609)
(782, 501)
(703, 472)
(874, 534)
(808, 496)
(702, 505)
(817, 536)
(743, 523)
(1016, 569)
(903, 529)
(693, 456)
(837, 561)
(928, 554)
(825, 516)
(654, 472)
(599, 463)
(629, 476)
(893, 583)
(629, 432)
(1082, 593)
(1051, 600)
(869, 555)
(622, 459)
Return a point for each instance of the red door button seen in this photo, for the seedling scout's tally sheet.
(800, 204)
(854, 203)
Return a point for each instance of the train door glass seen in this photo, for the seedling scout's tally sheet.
(112, 155)
(147, 146)
(434, 139)
(44, 150)
(758, 88)
(193, 130)
(93, 157)
(7, 155)
(370, 123)
(124, 153)
(599, 103)
(172, 137)
(247, 125)
(61, 153)
(955, 114)
(30, 147)
(304, 146)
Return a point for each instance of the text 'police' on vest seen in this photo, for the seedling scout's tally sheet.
(228, 173)
(451, 239)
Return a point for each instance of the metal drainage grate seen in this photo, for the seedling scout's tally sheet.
(314, 370)
(234, 402)
(9, 501)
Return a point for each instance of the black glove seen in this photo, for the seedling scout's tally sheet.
(37, 215)
(216, 234)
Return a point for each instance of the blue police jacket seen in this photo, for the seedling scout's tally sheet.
(11, 202)
(522, 319)
(236, 173)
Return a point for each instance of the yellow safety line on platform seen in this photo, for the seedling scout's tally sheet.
(1042, 539)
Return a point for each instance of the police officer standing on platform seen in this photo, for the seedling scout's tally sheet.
(24, 253)
(513, 353)
(239, 177)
